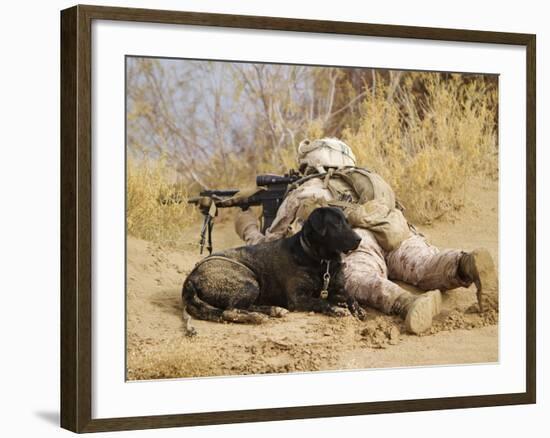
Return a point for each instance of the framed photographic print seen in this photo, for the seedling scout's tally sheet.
(269, 218)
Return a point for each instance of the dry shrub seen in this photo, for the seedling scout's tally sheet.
(156, 205)
(425, 133)
(427, 144)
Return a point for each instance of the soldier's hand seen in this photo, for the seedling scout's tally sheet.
(245, 221)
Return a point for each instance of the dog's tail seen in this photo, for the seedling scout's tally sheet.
(200, 309)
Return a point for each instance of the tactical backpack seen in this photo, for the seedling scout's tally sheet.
(367, 200)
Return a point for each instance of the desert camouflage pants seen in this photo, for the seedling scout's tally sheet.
(369, 269)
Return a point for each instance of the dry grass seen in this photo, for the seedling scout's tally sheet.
(426, 134)
(156, 207)
(427, 145)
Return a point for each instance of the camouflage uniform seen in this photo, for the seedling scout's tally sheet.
(369, 269)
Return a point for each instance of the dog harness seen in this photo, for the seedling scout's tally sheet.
(217, 257)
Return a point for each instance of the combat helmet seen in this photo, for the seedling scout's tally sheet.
(323, 154)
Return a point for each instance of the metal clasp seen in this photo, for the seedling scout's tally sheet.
(326, 281)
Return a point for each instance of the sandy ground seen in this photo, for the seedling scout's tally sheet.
(157, 347)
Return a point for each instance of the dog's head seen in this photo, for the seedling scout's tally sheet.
(329, 234)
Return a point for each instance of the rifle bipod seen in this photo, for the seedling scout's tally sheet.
(207, 226)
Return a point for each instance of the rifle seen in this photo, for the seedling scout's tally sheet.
(269, 192)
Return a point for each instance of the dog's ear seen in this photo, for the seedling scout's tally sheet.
(317, 221)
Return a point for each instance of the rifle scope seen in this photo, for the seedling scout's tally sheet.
(267, 179)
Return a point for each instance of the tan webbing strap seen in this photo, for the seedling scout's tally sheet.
(227, 259)
(214, 257)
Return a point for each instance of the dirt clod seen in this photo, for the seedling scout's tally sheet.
(380, 332)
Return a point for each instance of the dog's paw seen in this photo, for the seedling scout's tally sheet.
(338, 312)
(278, 312)
(243, 316)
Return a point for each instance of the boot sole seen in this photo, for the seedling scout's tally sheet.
(486, 270)
(420, 316)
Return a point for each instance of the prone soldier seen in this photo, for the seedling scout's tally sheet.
(390, 249)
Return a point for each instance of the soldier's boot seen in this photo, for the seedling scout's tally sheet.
(418, 310)
(478, 267)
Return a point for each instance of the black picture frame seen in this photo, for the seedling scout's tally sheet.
(76, 217)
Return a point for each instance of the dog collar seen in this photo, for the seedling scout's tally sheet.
(307, 249)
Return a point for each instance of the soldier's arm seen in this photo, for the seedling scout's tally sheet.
(285, 223)
(296, 207)
(248, 229)
(285, 217)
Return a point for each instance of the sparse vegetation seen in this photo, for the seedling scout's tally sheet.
(156, 204)
(217, 125)
(427, 145)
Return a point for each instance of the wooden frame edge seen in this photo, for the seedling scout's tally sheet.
(531, 217)
(305, 412)
(302, 25)
(68, 348)
(75, 220)
(76, 226)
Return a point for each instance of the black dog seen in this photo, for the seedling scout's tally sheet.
(246, 283)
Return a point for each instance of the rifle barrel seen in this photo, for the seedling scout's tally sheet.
(229, 192)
